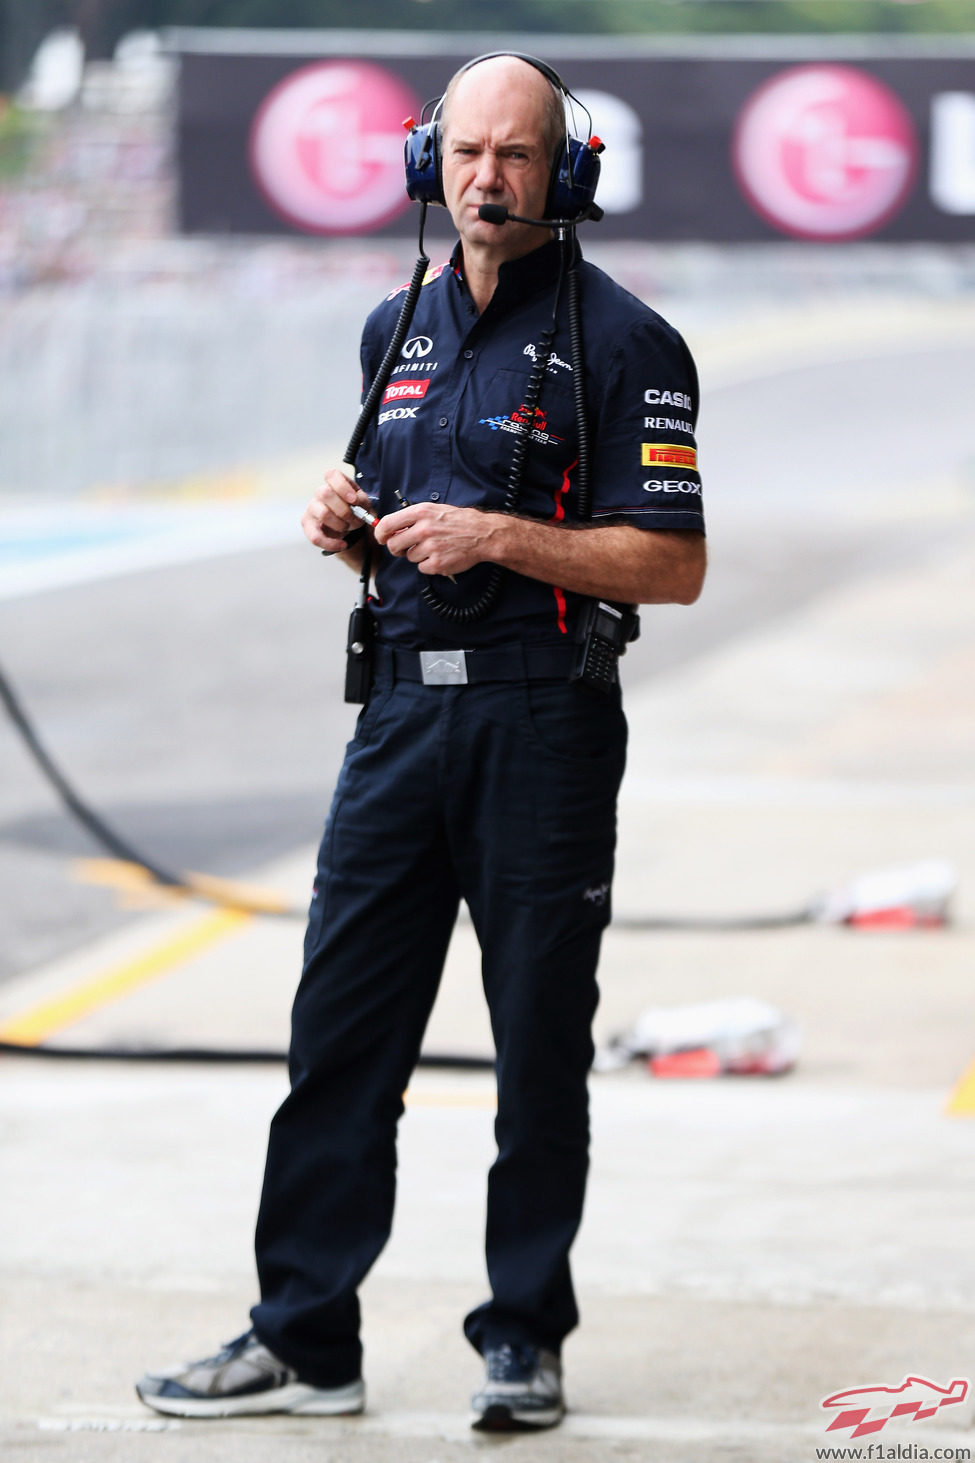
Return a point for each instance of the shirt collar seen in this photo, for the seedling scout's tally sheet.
(527, 275)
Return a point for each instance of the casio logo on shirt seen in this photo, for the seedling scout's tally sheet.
(655, 397)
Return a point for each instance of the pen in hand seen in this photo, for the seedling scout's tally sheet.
(365, 516)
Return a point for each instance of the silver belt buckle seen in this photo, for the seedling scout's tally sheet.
(443, 667)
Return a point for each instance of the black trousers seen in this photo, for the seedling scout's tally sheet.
(503, 794)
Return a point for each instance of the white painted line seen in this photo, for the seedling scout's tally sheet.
(59, 545)
(776, 792)
(107, 1425)
(456, 1427)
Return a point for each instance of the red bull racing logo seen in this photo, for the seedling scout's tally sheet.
(521, 420)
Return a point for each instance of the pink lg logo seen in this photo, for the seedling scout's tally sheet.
(326, 146)
(825, 152)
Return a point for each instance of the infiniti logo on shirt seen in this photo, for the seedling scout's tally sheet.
(420, 345)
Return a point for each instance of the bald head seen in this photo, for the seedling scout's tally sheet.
(502, 81)
(502, 121)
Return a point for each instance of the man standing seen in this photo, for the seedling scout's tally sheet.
(479, 768)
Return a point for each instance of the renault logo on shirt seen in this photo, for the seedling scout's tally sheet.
(417, 347)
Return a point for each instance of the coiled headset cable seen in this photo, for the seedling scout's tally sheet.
(469, 614)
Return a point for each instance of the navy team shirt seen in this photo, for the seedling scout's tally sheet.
(444, 433)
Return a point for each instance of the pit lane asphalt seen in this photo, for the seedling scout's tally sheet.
(197, 704)
(749, 1247)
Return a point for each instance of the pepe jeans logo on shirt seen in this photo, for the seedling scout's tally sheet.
(521, 420)
(554, 362)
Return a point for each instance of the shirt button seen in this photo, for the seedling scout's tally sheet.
(434, 497)
(468, 355)
(443, 421)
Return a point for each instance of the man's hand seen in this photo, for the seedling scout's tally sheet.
(328, 519)
(617, 561)
(437, 537)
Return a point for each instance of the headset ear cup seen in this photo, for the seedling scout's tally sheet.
(424, 169)
(572, 188)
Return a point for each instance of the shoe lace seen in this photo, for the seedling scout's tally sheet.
(230, 1349)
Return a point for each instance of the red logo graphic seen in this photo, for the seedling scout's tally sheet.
(407, 390)
(326, 146)
(527, 418)
(918, 1399)
(825, 152)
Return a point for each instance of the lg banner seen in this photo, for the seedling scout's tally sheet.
(721, 150)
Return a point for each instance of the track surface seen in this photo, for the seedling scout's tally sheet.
(198, 704)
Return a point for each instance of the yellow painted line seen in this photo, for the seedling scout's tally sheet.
(36, 1025)
(135, 883)
(961, 1103)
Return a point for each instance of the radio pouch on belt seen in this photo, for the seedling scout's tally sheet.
(359, 654)
(605, 630)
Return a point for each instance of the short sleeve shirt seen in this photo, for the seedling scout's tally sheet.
(448, 420)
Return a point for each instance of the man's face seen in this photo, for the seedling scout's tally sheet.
(494, 151)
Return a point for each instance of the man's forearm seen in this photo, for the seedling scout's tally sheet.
(616, 561)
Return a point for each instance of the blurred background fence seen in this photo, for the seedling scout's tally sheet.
(170, 310)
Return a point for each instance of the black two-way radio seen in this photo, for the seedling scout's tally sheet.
(605, 630)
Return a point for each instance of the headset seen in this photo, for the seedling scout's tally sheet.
(575, 167)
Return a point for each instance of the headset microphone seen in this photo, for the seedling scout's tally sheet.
(496, 213)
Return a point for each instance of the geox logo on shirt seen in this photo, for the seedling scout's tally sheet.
(397, 414)
(668, 454)
(519, 420)
(671, 485)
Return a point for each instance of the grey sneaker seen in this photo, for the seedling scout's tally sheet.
(243, 1378)
(522, 1388)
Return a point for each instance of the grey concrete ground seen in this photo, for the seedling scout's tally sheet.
(751, 1245)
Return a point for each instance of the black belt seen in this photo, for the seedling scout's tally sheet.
(492, 663)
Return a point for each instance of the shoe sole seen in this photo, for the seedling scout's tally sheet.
(297, 1398)
(498, 1417)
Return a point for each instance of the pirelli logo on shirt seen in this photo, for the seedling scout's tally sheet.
(668, 454)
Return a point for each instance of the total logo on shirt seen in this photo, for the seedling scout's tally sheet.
(406, 391)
